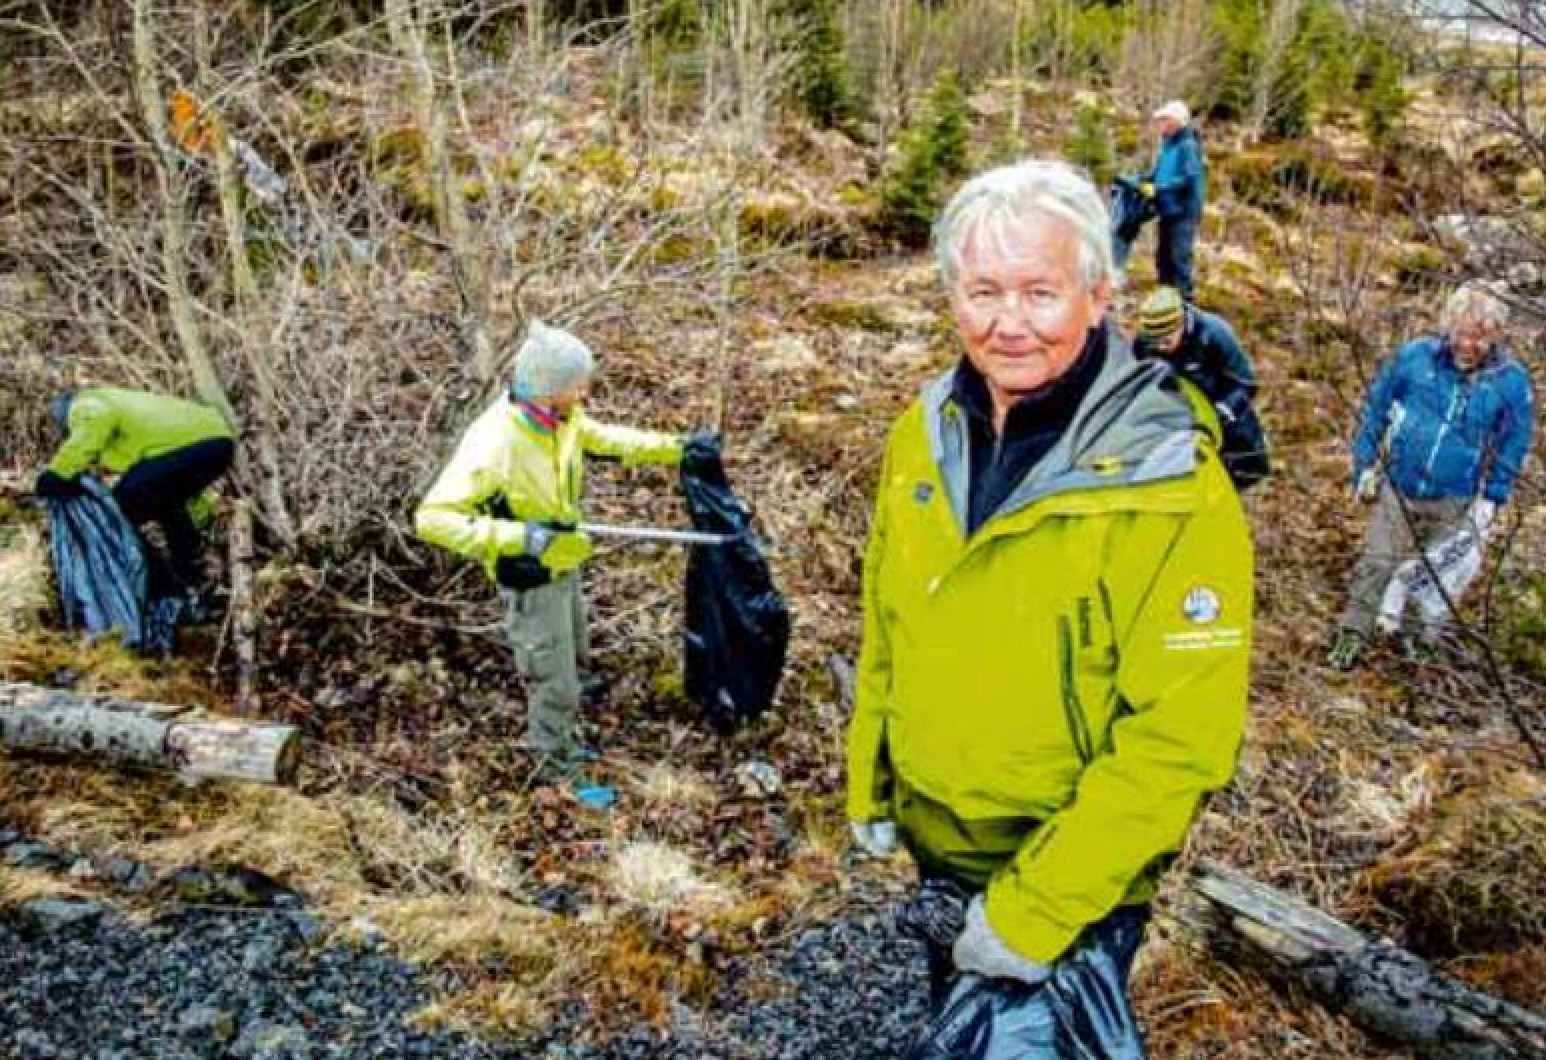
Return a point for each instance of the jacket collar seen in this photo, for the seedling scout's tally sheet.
(1133, 427)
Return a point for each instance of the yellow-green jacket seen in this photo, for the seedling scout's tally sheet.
(1041, 707)
(116, 429)
(507, 470)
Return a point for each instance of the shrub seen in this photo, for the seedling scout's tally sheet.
(933, 150)
(822, 79)
(1090, 144)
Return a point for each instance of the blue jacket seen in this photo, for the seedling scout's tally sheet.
(1448, 433)
(1212, 359)
(1179, 176)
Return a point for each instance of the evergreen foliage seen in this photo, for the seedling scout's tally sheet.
(1090, 144)
(1377, 84)
(1329, 61)
(933, 150)
(823, 82)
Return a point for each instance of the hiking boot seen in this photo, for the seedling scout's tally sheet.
(1345, 650)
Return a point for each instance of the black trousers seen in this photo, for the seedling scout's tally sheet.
(1173, 255)
(158, 491)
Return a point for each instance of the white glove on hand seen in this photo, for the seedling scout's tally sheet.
(980, 950)
(1368, 485)
(1482, 514)
(875, 838)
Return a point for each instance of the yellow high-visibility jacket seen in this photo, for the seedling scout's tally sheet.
(537, 474)
(115, 429)
(1042, 707)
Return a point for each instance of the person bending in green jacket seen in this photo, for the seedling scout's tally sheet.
(1057, 604)
(166, 451)
(510, 499)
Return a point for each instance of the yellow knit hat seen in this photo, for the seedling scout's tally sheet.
(1161, 314)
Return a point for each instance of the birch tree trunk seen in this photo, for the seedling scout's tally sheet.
(264, 438)
(409, 23)
(174, 228)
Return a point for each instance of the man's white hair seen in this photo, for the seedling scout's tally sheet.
(1474, 302)
(1175, 109)
(992, 204)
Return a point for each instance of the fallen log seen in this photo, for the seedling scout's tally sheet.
(184, 740)
(1379, 986)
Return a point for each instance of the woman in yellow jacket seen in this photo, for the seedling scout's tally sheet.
(1057, 603)
(510, 499)
(165, 450)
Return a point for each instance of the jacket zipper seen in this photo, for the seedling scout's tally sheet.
(1073, 711)
(1438, 439)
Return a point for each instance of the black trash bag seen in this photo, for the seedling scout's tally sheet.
(1081, 1013)
(103, 573)
(1130, 210)
(1244, 449)
(737, 630)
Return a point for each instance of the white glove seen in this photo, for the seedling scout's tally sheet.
(1368, 485)
(1482, 513)
(981, 950)
(875, 838)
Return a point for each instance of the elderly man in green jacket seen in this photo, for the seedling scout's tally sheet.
(166, 451)
(1057, 602)
(510, 499)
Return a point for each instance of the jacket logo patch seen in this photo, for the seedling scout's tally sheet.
(1201, 606)
(922, 492)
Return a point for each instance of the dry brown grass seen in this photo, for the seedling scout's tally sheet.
(19, 886)
(26, 588)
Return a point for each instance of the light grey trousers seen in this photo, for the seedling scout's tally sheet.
(1390, 542)
(547, 631)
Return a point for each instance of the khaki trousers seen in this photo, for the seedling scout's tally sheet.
(1389, 542)
(547, 632)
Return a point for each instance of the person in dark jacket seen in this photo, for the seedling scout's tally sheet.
(1445, 429)
(1176, 185)
(1203, 350)
(165, 450)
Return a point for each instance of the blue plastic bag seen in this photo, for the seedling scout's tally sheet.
(103, 573)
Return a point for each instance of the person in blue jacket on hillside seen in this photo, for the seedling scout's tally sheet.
(1445, 429)
(1175, 185)
(1203, 350)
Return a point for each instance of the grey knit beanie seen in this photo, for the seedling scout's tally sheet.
(549, 362)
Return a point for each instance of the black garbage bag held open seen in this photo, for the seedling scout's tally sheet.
(737, 630)
(103, 574)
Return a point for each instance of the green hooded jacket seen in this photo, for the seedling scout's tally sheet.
(116, 429)
(1042, 707)
(507, 470)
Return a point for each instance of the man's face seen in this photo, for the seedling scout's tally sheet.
(1166, 125)
(1020, 306)
(1469, 340)
(1168, 343)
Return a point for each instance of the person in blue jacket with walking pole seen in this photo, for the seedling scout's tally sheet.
(1445, 428)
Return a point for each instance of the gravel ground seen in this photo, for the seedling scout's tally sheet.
(80, 980)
